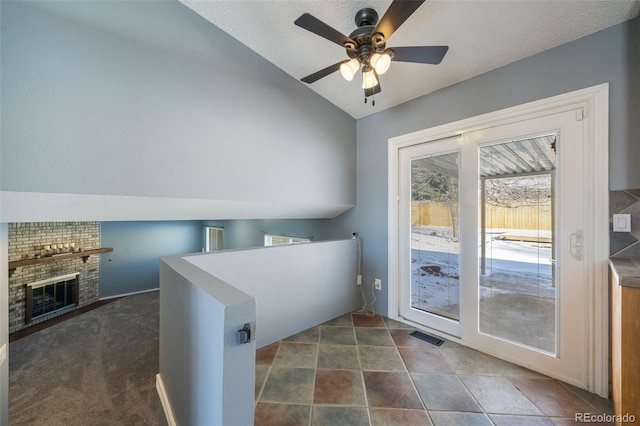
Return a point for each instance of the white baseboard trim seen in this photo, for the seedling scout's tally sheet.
(164, 400)
(129, 294)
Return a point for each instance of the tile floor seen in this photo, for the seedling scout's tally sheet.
(368, 370)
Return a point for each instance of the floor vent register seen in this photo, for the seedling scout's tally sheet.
(433, 340)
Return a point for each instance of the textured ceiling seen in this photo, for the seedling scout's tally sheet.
(482, 35)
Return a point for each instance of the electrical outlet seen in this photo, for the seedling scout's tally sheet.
(622, 223)
(377, 284)
(3, 353)
(359, 280)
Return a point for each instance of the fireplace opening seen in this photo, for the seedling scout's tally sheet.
(51, 297)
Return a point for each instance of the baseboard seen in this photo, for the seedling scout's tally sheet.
(164, 400)
(129, 294)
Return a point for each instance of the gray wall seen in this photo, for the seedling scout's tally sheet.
(148, 99)
(133, 266)
(612, 55)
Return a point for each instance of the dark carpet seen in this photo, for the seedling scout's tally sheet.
(95, 369)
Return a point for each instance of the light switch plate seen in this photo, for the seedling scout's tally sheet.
(621, 223)
(3, 353)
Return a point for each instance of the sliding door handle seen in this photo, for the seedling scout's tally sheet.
(575, 244)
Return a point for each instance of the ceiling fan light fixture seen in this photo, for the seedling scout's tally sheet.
(381, 61)
(349, 69)
(369, 79)
(366, 45)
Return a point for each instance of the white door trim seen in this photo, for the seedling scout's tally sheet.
(595, 101)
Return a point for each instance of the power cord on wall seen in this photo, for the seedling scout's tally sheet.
(364, 309)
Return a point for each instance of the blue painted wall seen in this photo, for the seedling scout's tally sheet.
(133, 265)
(242, 234)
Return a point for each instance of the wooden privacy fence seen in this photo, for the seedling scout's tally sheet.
(427, 213)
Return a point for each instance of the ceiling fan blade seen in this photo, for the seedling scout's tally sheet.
(398, 12)
(316, 26)
(420, 54)
(322, 73)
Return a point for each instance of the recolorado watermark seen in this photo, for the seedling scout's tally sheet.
(604, 418)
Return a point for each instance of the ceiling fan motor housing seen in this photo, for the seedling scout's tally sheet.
(366, 16)
(366, 43)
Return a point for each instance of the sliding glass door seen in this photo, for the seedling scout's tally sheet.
(490, 242)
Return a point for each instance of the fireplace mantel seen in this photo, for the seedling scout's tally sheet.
(57, 257)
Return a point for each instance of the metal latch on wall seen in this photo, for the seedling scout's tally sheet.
(244, 335)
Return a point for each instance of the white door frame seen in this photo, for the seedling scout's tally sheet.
(595, 103)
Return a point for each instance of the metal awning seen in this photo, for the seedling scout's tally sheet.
(514, 158)
(519, 157)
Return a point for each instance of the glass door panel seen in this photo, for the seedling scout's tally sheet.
(517, 291)
(435, 235)
(429, 233)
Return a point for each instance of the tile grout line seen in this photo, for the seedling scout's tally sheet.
(484, 411)
(409, 373)
(579, 396)
(264, 383)
(406, 369)
(533, 402)
(364, 385)
(315, 374)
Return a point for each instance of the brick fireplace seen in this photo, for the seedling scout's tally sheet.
(32, 240)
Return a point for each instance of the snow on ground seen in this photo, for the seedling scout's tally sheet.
(511, 267)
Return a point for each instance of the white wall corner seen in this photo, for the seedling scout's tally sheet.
(164, 400)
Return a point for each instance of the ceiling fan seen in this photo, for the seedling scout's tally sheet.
(366, 45)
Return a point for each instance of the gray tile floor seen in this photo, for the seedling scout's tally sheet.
(368, 370)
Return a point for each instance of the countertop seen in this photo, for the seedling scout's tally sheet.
(627, 271)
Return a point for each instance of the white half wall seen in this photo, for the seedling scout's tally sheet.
(207, 377)
(296, 286)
